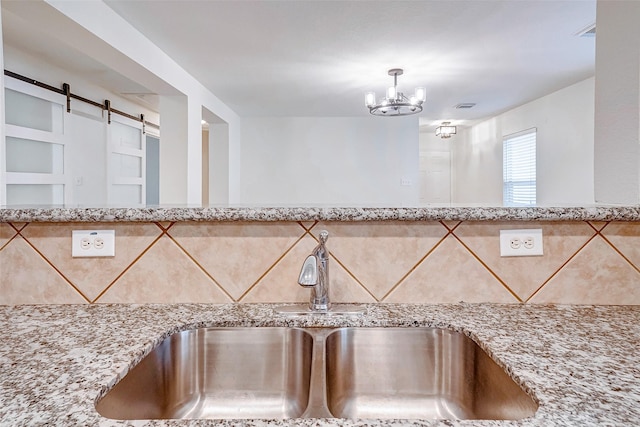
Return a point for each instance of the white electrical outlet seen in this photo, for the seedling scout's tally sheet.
(93, 243)
(521, 242)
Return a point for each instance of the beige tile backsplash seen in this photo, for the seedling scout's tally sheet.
(428, 262)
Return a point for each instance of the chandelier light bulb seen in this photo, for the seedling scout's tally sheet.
(370, 99)
(396, 103)
(391, 93)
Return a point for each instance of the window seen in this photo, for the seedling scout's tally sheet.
(519, 169)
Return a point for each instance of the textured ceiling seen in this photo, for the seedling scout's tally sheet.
(318, 58)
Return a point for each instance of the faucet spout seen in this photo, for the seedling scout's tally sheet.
(309, 273)
(315, 274)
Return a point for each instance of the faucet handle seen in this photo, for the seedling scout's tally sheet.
(324, 235)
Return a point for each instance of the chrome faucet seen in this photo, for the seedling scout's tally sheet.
(315, 274)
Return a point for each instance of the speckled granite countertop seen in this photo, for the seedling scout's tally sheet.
(594, 213)
(581, 363)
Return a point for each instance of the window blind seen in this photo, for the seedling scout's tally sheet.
(519, 168)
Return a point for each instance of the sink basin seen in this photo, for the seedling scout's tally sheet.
(417, 373)
(279, 373)
(217, 373)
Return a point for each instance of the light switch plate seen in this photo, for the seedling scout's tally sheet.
(93, 243)
(521, 242)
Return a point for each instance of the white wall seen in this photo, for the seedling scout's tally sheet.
(565, 150)
(435, 168)
(430, 142)
(617, 94)
(476, 157)
(218, 164)
(205, 166)
(330, 161)
(173, 156)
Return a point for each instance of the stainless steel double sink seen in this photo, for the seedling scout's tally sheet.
(278, 373)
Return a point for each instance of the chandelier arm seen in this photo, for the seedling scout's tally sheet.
(395, 109)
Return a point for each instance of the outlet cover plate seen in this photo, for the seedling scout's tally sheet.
(521, 242)
(106, 246)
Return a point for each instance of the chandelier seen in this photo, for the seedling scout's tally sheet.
(445, 131)
(396, 103)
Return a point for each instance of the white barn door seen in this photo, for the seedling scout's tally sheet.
(35, 150)
(125, 162)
